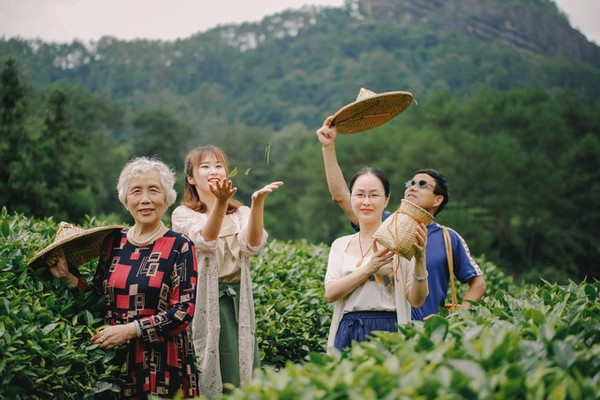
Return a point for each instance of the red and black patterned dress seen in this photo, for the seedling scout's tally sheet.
(155, 285)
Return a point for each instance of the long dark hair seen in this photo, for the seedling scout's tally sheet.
(191, 197)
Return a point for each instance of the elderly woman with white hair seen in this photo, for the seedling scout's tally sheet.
(147, 275)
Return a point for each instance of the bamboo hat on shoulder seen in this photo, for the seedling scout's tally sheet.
(370, 110)
(80, 245)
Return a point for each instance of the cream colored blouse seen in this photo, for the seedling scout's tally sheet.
(225, 257)
(228, 255)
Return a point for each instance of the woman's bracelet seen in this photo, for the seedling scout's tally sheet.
(138, 328)
(421, 278)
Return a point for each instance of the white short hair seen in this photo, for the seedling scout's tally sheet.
(141, 165)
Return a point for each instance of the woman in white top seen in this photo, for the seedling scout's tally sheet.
(226, 234)
(373, 289)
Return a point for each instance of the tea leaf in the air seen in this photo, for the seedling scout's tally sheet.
(268, 152)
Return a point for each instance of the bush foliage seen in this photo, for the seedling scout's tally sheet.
(521, 341)
(292, 315)
(539, 342)
(44, 329)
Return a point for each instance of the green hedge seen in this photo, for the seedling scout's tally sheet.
(44, 329)
(521, 341)
(543, 343)
(292, 315)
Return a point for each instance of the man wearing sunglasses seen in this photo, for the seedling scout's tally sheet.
(428, 189)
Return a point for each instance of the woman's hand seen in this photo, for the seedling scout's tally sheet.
(262, 194)
(57, 265)
(114, 335)
(380, 258)
(256, 220)
(327, 133)
(223, 190)
(342, 287)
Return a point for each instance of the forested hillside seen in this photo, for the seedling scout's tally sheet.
(296, 65)
(506, 105)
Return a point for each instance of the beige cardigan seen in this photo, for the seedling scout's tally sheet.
(205, 325)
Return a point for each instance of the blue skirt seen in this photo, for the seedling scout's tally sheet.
(357, 325)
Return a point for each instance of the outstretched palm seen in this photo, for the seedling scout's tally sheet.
(261, 194)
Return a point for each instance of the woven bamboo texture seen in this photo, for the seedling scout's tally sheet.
(398, 231)
(79, 245)
(370, 110)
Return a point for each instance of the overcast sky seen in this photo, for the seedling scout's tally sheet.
(66, 20)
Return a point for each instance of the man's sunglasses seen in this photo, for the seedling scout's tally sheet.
(422, 184)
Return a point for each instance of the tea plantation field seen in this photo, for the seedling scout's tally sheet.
(521, 341)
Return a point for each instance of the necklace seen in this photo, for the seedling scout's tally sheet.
(151, 239)
(363, 255)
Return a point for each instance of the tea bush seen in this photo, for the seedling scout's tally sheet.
(543, 343)
(44, 329)
(522, 341)
(292, 315)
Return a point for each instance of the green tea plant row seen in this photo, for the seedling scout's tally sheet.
(293, 316)
(521, 341)
(45, 329)
(543, 343)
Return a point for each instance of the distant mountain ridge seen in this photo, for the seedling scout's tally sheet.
(536, 26)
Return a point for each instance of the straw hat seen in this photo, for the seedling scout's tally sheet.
(398, 231)
(370, 110)
(80, 245)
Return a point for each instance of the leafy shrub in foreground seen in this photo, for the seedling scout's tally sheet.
(489, 352)
(292, 315)
(44, 329)
(543, 343)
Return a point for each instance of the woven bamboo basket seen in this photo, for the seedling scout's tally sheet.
(398, 231)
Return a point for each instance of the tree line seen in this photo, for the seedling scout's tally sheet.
(291, 66)
(522, 165)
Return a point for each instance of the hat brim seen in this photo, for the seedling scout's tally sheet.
(79, 248)
(371, 112)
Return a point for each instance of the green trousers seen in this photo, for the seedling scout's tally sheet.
(229, 301)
